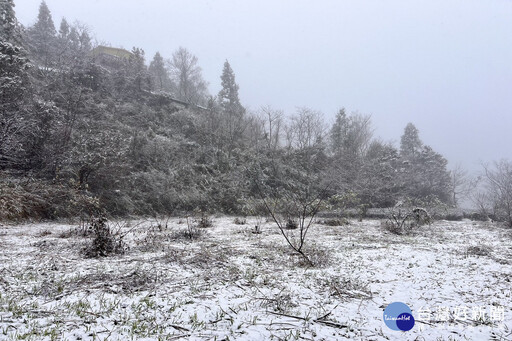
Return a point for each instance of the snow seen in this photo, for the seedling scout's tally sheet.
(232, 283)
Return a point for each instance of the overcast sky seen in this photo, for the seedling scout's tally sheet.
(444, 65)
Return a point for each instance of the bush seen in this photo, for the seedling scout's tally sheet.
(105, 241)
(26, 198)
(291, 224)
(205, 221)
(335, 222)
(403, 221)
(479, 250)
(240, 221)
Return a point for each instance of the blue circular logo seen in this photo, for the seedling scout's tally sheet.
(398, 316)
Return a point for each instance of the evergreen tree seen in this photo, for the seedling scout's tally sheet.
(228, 95)
(8, 29)
(138, 70)
(159, 74)
(13, 86)
(424, 175)
(64, 29)
(41, 36)
(338, 132)
(232, 110)
(410, 143)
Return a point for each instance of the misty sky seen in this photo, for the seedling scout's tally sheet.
(444, 65)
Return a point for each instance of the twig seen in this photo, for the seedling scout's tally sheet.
(180, 328)
(318, 320)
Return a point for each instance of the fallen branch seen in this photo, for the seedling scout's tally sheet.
(318, 320)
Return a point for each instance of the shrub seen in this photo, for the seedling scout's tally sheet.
(479, 250)
(291, 224)
(105, 241)
(240, 221)
(335, 222)
(205, 221)
(26, 198)
(403, 221)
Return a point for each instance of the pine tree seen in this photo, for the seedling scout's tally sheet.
(13, 85)
(64, 29)
(8, 30)
(233, 112)
(159, 74)
(410, 143)
(228, 95)
(338, 132)
(41, 36)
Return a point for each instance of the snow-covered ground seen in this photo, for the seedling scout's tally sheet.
(233, 284)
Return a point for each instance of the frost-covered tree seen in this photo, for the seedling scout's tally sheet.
(350, 135)
(377, 185)
(138, 69)
(42, 36)
(232, 111)
(8, 25)
(13, 86)
(306, 130)
(64, 29)
(425, 177)
(272, 124)
(160, 74)
(460, 185)
(228, 95)
(188, 78)
(349, 139)
(410, 143)
(496, 198)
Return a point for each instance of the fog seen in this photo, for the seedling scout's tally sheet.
(443, 65)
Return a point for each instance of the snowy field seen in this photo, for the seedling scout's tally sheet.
(232, 284)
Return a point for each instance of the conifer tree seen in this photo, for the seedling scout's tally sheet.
(41, 36)
(8, 21)
(410, 143)
(13, 85)
(159, 74)
(228, 95)
(232, 110)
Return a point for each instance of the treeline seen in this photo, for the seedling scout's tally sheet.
(82, 128)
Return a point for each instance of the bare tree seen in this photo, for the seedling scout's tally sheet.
(187, 76)
(306, 129)
(272, 124)
(292, 196)
(496, 200)
(461, 184)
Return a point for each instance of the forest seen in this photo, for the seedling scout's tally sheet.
(86, 128)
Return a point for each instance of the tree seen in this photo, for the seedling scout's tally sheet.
(349, 139)
(14, 82)
(232, 111)
(460, 183)
(376, 185)
(496, 199)
(187, 76)
(292, 192)
(410, 143)
(137, 70)
(160, 75)
(64, 29)
(425, 177)
(272, 121)
(8, 24)
(306, 129)
(41, 36)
